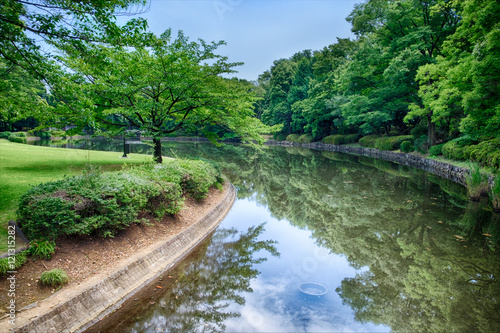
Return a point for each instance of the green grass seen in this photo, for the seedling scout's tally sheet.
(24, 166)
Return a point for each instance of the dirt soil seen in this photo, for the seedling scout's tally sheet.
(84, 258)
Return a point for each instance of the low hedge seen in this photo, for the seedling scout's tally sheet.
(351, 138)
(454, 151)
(369, 140)
(102, 203)
(293, 138)
(436, 150)
(305, 138)
(392, 142)
(5, 135)
(336, 139)
(14, 138)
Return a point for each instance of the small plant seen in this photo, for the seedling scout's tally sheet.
(495, 194)
(53, 278)
(292, 138)
(12, 263)
(42, 249)
(476, 184)
(406, 147)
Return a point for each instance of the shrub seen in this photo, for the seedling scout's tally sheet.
(336, 139)
(42, 249)
(104, 203)
(18, 139)
(422, 144)
(406, 147)
(305, 138)
(21, 134)
(53, 278)
(476, 183)
(454, 151)
(5, 135)
(369, 140)
(279, 137)
(8, 264)
(293, 138)
(391, 142)
(486, 152)
(436, 150)
(59, 134)
(351, 138)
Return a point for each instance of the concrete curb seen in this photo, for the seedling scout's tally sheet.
(83, 310)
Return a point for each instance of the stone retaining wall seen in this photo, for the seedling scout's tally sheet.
(445, 170)
(83, 310)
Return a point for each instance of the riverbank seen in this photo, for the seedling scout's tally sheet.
(442, 169)
(104, 273)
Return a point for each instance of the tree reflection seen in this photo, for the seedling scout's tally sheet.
(200, 299)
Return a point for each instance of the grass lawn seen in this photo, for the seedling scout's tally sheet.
(23, 166)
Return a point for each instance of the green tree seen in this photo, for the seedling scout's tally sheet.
(174, 84)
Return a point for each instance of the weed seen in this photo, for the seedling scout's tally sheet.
(476, 184)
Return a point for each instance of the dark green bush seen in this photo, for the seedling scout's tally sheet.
(104, 203)
(436, 150)
(293, 138)
(20, 134)
(336, 139)
(369, 140)
(351, 138)
(486, 152)
(454, 151)
(391, 142)
(17, 139)
(279, 137)
(11, 265)
(42, 249)
(5, 135)
(406, 147)
(305, 138)
(53, 278)
(422, 144)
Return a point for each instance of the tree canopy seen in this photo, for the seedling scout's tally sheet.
(170, 85)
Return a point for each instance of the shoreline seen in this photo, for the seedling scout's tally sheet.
(77, 307)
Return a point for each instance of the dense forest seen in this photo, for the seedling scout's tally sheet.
(428, 70)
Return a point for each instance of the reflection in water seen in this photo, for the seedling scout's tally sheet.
(403, 249)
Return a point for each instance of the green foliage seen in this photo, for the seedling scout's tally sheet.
(279, 137)
(406, 147)
(7, 264)
(305, 138)
(436, 150)
(15, 138)
(336, 139)
(369, 140)
(53, 278)
(5, 135)
(457, 149)
(58, 134)
(495, 193)
(477, 184)
(422, 144)
(351, 138)
(486, 153)
(42, 249)
(391, 142)
(292, 138)
(104, 203)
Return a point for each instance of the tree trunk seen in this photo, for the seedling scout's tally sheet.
(431, 132)
(157, 151)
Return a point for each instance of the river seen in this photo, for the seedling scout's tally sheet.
(386, 247)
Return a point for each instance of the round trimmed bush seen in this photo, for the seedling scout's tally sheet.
(436, 150)
(336, 139)
(305, 138)
(406, 147)
(292, 138)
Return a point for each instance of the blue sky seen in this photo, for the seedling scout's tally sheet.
(257, 32)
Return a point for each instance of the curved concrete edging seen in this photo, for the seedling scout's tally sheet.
(83, 310)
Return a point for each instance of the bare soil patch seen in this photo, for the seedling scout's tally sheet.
(85, 258)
